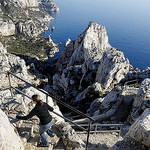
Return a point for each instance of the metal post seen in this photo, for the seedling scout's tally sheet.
(88, 134)
(9, 78)
(95, 129)
(55, 102)
(46, 98)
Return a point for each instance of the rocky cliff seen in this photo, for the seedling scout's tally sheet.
(9, 62)
(49, 5)
(87, 60)
(24, 17)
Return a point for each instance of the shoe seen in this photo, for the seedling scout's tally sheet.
(42, 145)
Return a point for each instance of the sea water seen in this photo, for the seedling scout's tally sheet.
(127, 23)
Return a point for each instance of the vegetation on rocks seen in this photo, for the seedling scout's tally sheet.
(26, 46)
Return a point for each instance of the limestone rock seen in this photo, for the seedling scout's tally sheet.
(8, 138)
(141, 101)
(53, 48)
(95, 105)
(113, 67)
(7, 28)
(139, 130)
(23, 17)
(70, 139)
(94, 89)
(9, 62)
(49, 5)
(67, 42)
(28, 3)
(137, 74)
(89, 59)
(28, 28)
(143, 94)
(90, 43)
(4, 94)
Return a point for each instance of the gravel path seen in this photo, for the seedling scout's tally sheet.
(101, 141)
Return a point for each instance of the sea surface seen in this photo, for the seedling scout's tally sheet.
(127, 23)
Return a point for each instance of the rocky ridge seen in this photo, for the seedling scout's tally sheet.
(87, 60)
(24, 17)
(92, 76)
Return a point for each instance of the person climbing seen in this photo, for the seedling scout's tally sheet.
(41, 111)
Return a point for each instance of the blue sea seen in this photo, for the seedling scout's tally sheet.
(127, 23)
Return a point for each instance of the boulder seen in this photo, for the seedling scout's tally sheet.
(139, 130)
(112, 69)
(8, 138)
(70, 139)
(7, 28)
(67, 42)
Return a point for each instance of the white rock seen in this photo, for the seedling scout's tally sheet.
(143, 91)
(90, 43)
(9, 62)
(141, 100)
(112, 68)
(49, 5)
(9, 140)
(139, 130)
(7, 28)
(68, 42)
(89, 59)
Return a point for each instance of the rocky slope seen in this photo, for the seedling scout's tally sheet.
(28, 130)
(24, 17)
(9, 62)
(88, 60)
(97, 78)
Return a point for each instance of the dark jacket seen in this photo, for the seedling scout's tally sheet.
(41, 112)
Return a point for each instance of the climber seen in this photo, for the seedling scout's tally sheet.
(41, 111)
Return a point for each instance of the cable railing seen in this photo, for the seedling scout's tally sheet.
(57, 100)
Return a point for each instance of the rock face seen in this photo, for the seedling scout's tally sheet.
(23, 17)
(53, 48)
(28, 3)
(113, 68)
(49, 5)
(139, 130)
(137, 74)
(8, 138)
(141, 101)
(67, 42)
(9, 62)
(70, 139)
(7, 28)
(87, 60)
